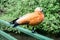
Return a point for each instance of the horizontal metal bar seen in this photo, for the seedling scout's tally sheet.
(35, 35)
(28, 32)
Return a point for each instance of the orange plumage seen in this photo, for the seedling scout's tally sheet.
(33, 18)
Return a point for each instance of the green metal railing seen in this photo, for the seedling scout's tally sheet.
(5, 36)
(28, 32)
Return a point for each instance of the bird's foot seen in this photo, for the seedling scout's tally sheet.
(33, 31)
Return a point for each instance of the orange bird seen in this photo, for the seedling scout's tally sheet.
(32, 19)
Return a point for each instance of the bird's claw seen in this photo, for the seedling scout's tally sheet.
(33, 31)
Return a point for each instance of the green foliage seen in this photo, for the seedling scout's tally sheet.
(15, 8)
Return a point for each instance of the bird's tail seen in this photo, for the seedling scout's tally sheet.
(15, 24)
(12, 22)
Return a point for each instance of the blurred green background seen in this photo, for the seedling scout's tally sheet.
(12, 9)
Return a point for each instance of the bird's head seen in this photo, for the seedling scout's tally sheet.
(38, 9)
